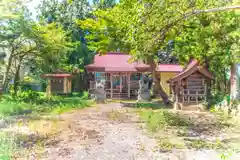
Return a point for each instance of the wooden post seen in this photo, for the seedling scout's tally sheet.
(65, 85)
(49, 88)
(120, 76)
(205, 92)
(111, 79)
(129, 85)
(69, 86)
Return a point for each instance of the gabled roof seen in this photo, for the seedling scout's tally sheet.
(119, 62)
(58, 73)
(192, 67)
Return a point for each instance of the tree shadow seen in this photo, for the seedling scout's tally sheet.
(29, 141)
(147, 105)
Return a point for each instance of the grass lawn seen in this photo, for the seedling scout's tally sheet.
(55, 105)
(34, 112)
(190, 130)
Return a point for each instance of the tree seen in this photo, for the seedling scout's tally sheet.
(214, 40)
(145, 27)
(7, 7)
(26, 41)
(66, 13)
(103, 4)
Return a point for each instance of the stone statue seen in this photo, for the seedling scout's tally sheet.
(99, 92)
(144, 89)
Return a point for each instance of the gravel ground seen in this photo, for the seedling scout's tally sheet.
(124, 139)
(102, 133)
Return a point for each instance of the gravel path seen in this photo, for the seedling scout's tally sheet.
(121, 138)
(110, 132)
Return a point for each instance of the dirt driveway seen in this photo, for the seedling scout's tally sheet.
(105, 132)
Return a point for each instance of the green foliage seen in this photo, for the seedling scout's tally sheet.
(7, 146)
(145, 27)
(23, 104)
(213, 39)
(160, 119)
(7, 8)
(166, 145)
(65, 14)
(200, 143)
(28, 43)
(103, 4)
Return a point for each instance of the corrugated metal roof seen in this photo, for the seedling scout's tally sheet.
(119, 62)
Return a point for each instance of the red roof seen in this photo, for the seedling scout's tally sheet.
(119, 62)
(192, 67)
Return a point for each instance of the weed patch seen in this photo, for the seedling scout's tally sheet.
(7, 146)
(202, 143)
(57, 104)
(166, 145)
(162, 118)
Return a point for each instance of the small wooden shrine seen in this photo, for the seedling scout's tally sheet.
(190, 87)
(59, 82)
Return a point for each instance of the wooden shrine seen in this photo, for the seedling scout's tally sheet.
(122, 77)
(190, 87)
(59, 82)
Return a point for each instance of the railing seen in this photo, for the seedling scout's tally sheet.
(193, 95)
(193, 92)
(92, 85)
(133, 85)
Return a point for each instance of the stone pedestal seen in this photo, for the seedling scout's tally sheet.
(99, 93)
(144, 90)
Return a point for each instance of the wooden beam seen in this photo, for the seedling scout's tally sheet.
(129, 85)
(111, 79)
(65, 85)
(120, 76)
(49, 87)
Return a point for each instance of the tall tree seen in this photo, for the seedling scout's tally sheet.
(145, 27)
(27, 41)
(103, 4)
(214, 40)
(66, 13)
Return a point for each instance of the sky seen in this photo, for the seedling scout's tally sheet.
(33, 4)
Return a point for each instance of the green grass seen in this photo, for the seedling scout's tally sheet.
(202, 143)
(56, 104)
(10, 106)
(162, 118)
(7, 146)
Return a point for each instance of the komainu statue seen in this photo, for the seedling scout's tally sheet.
(99, 92)
(144, 89)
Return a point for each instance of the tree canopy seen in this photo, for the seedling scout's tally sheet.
(146, 28)
(152, 31)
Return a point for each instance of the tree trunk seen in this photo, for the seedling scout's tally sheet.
(6, 74)
(16, 79)
(233, 84)
(157, 87)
